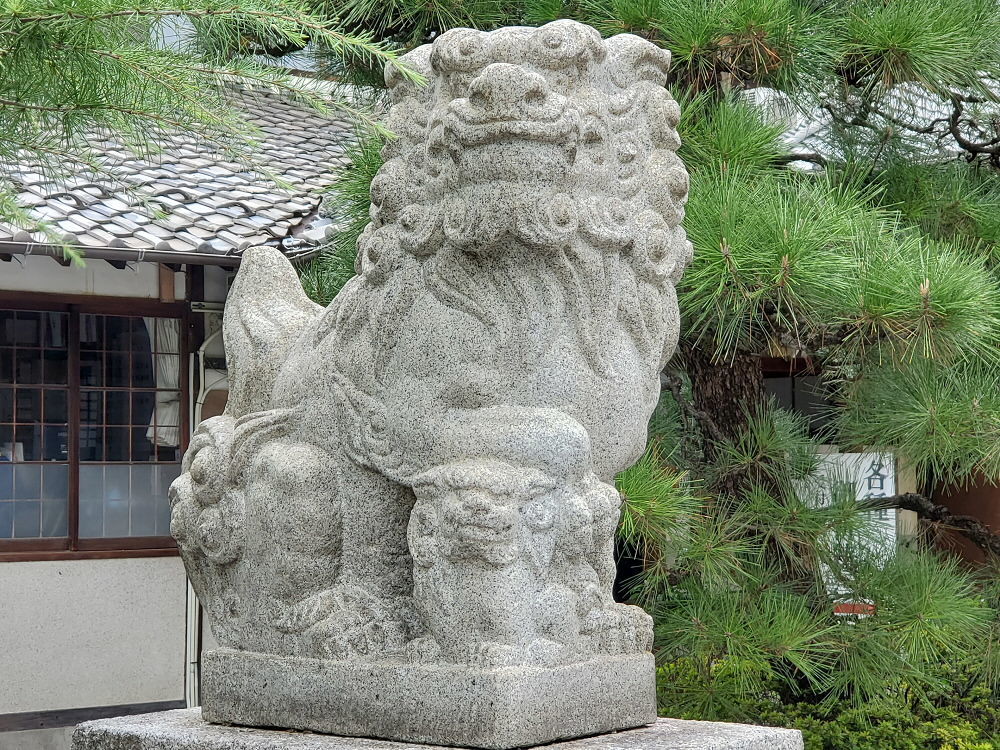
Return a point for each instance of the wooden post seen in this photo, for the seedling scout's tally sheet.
(907, 521)
(167, 288)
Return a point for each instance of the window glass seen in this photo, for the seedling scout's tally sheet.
(6, 364)
(55, 367)
(129, 430)
(91, 369)
(34, 434)
(27, 366)
(55, 406)
(130, 424)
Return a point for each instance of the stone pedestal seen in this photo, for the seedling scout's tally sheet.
(185, 730)
(436, 704)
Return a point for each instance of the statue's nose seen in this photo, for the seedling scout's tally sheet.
(502, 87)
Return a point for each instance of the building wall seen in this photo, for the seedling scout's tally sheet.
(87, 633)
(82, 633)
(59, 738)
(39, 273)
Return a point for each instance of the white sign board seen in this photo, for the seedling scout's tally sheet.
(872, 475)
(865, 475)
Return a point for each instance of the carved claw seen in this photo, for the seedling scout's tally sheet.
(345, 621)
(307, 612)
(344, 635)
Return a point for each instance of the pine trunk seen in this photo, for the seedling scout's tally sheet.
(724, 391)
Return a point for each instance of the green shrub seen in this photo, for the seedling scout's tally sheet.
(962, 714)
(891, 727)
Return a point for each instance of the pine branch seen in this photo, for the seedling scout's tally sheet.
(102, 107)
(928, 129)
(970, 527)
(324, 30)
(814, 158)
(991, 147)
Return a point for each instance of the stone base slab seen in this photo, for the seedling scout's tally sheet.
(496, 709)
(185, 730)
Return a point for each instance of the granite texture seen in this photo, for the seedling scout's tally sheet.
(185, 730)
(423, 472)
(441, 704)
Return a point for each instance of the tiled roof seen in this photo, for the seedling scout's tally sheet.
(192, 198)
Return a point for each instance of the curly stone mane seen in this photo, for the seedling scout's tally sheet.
(500, 167)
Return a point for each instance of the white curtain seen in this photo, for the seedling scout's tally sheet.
(164, 339)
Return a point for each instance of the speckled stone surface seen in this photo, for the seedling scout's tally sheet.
(416, 483)
(435, 703)
(185, 730)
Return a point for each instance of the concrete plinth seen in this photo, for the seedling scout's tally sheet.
(185, 730)
(437, 704)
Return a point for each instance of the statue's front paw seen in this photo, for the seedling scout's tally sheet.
(344, 622)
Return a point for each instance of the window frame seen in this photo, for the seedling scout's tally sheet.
(72, 547)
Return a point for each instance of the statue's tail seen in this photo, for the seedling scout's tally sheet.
(266, 312)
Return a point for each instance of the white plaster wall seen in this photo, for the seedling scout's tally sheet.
(38, 273)
(82, 633)
(59, 738)
(208, 641)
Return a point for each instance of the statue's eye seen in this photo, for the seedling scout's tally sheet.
(627, 151)
(552, 40)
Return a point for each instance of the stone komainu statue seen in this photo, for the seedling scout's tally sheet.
(411, 491)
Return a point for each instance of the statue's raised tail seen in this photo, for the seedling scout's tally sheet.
(266, 312)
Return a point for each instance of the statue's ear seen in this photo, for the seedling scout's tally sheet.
(266, 312)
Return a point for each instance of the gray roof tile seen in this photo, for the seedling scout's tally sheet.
(191, 196)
